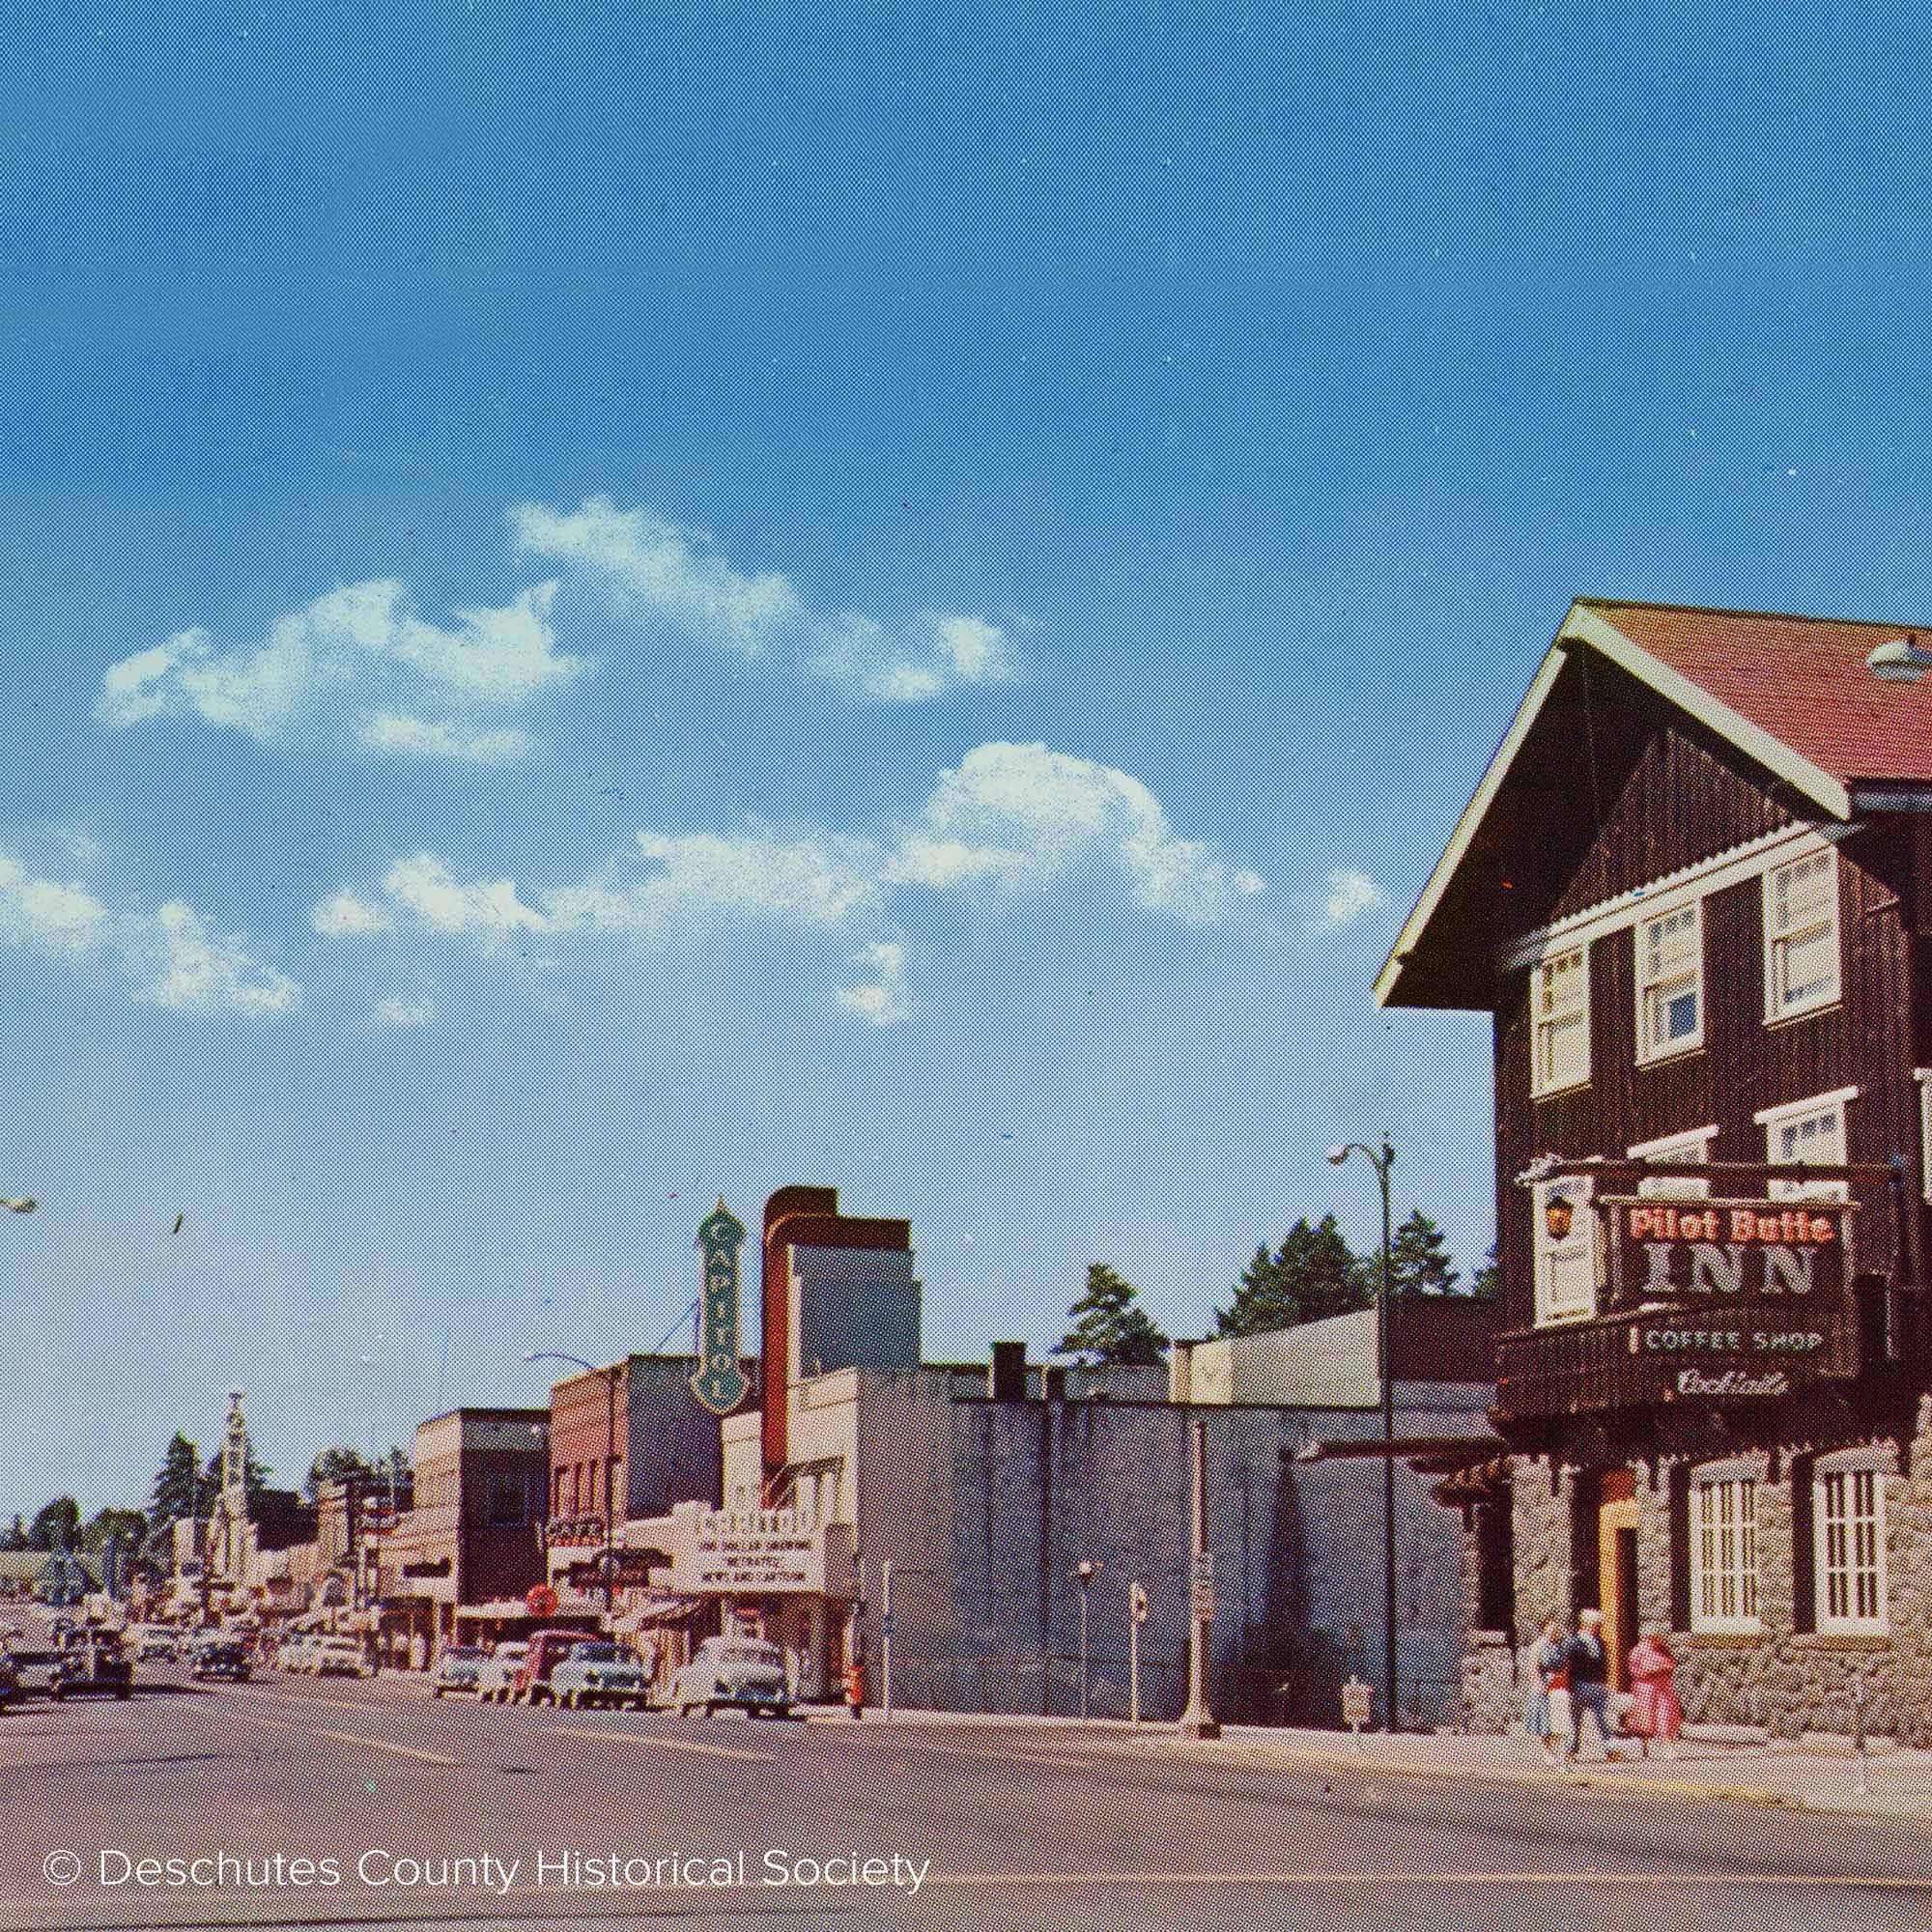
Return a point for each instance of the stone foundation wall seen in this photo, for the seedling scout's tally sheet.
(1786, 1680)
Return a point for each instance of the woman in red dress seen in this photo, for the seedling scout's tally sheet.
(1655, 1712)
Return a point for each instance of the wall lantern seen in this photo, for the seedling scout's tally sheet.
(1557, 1216)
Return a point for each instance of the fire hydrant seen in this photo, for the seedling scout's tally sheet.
(855, 1688)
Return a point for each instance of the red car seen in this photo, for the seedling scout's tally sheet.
(547, 1648)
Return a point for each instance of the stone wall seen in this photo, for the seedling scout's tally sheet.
(1787, 1681)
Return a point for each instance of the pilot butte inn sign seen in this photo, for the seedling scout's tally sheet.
(1734, 1297)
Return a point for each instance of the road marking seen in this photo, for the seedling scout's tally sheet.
(371, 1744)
(332, 1703)
(1028, 1757)
(657, 1738)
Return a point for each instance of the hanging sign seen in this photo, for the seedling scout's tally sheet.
(719, 1384)
(1733, 1250)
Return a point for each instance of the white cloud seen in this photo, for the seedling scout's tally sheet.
(661, 568)
(424, 887)
(47, 915)
(1351, 893)
(172, 955)
(346, 914)
(202, 970)
(411, 736)
(357, 641)
(882, 1001)
(394, 1012)
(678, 576)
(1020, 815)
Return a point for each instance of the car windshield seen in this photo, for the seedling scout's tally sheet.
(599, 1653)
(747, 1652)
(461, 1653)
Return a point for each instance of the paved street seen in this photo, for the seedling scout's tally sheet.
(738, 1821)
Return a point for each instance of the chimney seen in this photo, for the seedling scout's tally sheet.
(1006, 1375)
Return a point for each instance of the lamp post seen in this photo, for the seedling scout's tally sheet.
(1381, 1161)
(1086, 1572)
(19, 1204)
(608, 1558)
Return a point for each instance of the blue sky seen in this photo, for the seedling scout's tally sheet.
(605, 607)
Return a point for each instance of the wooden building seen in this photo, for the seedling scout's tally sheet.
(1693, 889)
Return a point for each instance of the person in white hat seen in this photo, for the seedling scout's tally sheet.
(1589, 1666)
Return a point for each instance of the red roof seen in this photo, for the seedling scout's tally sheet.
(1803, 680)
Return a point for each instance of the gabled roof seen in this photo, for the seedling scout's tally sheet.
(1792, 695)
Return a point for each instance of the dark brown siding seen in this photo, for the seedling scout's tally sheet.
(1744, 1066)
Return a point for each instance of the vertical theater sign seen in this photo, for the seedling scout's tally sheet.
(719, 1383)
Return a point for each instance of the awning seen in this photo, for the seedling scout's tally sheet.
(659, 1610)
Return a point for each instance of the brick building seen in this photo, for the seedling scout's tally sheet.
(458, 1562)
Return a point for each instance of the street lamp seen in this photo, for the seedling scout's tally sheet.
(608, 1560)
(21, 1204)
(1086, 1572)
(1381, 1161)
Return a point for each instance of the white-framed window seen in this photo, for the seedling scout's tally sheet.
(1567, 1263)
(1848, 1538)
(1800, 936)
(1810, 1132)
(1560, 1026)
(1692, 1149)
(1670, 983)
(1723, 1549)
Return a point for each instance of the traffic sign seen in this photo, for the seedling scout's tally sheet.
(1357, 1705)
(1203, 1600)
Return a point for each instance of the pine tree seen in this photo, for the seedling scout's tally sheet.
(174, 1492)
(57, 1526)
(1109, 1323)
(1419, 1261)
(1311, 1276)
(338, 1464)
(1487, 1282)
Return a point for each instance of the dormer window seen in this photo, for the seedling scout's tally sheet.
(1670, 984)
(1561, 1022)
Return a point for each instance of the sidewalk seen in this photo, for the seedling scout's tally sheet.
(1711, 1762)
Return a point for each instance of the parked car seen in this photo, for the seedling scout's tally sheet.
(338, 1657)
(458, 1668)
(600, 1674)
(9, 1679)
(155, 1643)
(92, 1661)
(220, 1657)
(295, 1652)
(735, 1672)
(548, 1649)
(496, 1680)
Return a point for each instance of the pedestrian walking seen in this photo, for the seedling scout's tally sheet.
(1552, 1685)
(1655, 1712)
(1589, 1666)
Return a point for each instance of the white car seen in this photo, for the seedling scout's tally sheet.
(499, 1671)
(737, 1672)
(338, 1657)
(293, 1652)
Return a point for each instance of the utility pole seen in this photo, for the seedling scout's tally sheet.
(1087, 1571)
(1137, 1609)
(886, 1638)
(1197, 1719)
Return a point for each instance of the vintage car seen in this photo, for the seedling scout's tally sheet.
(497, 1678)
(600, 1672)
(91, 1661)
(458, 1668)
(9, 1679)
(548, 1649)
(338, 1657)
(220, 1657)
(736, 1673)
